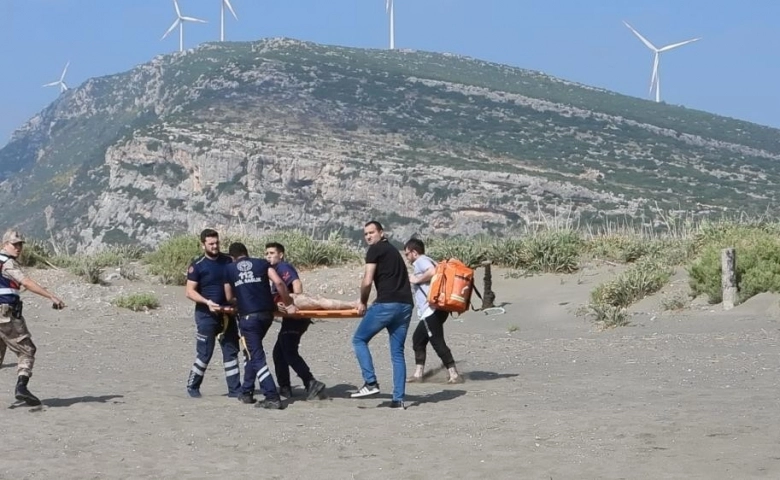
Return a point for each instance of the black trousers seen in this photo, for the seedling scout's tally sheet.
(286, 354)
(431, 329)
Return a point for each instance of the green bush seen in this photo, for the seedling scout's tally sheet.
(137, 302)
(169, 262)
(623, 248)
(470, 250)
(35, 254)
(554, 250)
(609, 300)
(757, 261)
(90, 266)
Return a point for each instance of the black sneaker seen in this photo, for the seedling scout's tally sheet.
(286, 392)
(398, 404)
(270, 404)
(246, 398)
(315, 388)
(366, 390)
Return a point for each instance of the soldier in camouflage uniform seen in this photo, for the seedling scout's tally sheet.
(13, 329)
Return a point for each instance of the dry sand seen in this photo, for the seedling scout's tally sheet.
(689, 394)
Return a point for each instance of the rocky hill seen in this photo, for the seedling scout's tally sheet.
(282, 133)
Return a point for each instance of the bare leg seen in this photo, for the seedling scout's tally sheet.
(305, 302)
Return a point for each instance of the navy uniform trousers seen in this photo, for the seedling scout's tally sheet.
(210, 326)
(254, 327)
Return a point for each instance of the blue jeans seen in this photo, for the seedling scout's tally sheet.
(395, 317)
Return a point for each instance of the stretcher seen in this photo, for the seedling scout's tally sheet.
(352, 313)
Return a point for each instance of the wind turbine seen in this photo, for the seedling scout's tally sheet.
(655, 79)
(225, 3)
(61, 81)
(179, 22)
(391, 12)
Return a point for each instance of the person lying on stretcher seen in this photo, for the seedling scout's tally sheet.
(306, 302)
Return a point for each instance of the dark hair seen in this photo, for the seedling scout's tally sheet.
(238, 249)
(415, 245)
(276, 245)
(376, 224)
(208, 233)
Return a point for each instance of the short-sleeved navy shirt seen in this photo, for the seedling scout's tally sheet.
(210, 275)
(251, 287)
(287, 273)
(391, 277)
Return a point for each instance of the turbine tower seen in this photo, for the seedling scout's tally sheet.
(225, 3)
(61, 81)
(179, 22)
(391, 12)
(655, 79)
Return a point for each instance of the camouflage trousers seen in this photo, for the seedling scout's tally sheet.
(15, 336)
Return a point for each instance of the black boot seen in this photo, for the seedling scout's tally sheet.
(22, 394)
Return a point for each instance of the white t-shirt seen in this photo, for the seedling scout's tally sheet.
(421, 290)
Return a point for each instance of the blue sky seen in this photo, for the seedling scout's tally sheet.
(732, 71)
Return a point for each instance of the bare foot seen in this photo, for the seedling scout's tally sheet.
(414, 379)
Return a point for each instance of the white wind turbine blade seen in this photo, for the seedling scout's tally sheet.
(63, 87)
(52, 84)
(675, 45)
(644, 40)
(230, 7)
(172, 27)
(176, 6)
(192, 19)
(62, 77)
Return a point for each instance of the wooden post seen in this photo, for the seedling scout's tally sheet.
(728, 261)
(488, 296)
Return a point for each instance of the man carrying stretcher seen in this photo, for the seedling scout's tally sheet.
(285, 353)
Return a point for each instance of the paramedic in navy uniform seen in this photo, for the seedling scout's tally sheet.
(206, 287)
(247, 285)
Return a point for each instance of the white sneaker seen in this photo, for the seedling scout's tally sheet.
(366, 391)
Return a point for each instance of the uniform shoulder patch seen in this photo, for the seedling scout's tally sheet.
(191, 269)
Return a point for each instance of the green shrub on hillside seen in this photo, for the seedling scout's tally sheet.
(549, 251)
(757, 260)
(35, 254)
(610, 299)
(137, 302)
(169, 262)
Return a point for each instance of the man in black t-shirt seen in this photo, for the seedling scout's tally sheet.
(392, 310)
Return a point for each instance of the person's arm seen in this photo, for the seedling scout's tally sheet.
(192, 294)
(424, 277)
(297, 286)
(33, 286)
(229, 293)
(12, 271)
(281, 288)
(365, 286)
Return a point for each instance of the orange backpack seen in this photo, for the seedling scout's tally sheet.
(451, 286)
